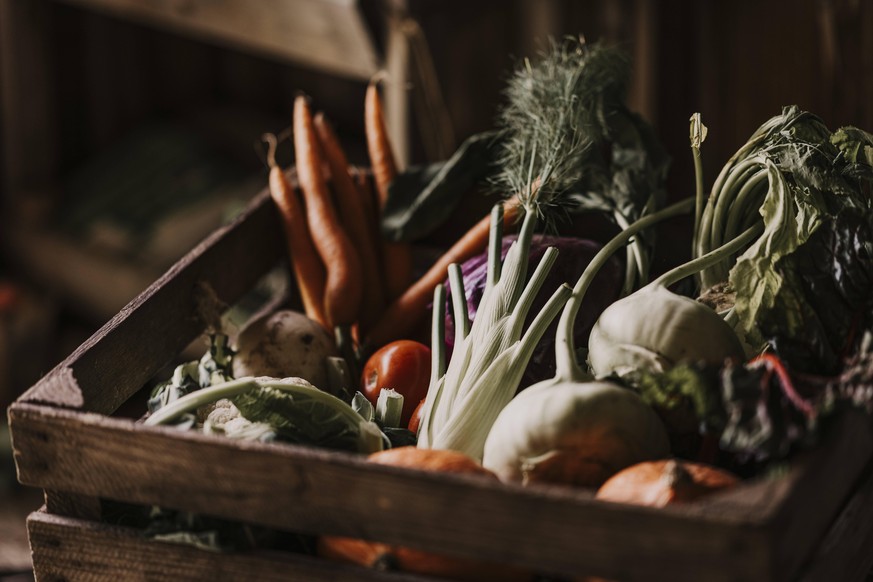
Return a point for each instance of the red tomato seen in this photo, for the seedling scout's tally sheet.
(402, 365)
(415, 419)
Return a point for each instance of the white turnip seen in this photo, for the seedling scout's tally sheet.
(284, 344)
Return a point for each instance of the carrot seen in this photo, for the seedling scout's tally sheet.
(364, 182)
(353, 217)
(304, 260)
(343, 285)
(396, 256)
(407, 311)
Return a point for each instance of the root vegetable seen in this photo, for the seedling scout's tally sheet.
(574, 434)
(665, 482)
(284, 344)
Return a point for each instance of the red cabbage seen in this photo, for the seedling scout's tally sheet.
(574, 255)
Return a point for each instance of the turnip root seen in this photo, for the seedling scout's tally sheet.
(284, 344)
(655, 329)
(578, 433)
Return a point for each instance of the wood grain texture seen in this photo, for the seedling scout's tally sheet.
(310, 491)
(153, 328)
(72, 505)
(73, 549)
(818, 491)
(846, 552)
(327, 34)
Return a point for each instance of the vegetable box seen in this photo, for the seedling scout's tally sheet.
(814, 522)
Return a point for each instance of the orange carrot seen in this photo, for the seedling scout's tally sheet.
(364, 182)
(353, 217)
(343, 285)
(304, 260)
(396, 256)
(408, 310)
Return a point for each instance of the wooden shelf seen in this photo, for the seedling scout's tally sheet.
(330, 35)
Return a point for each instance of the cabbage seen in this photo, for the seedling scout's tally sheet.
(574, 256)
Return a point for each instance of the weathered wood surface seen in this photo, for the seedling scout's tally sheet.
(73, 549)
(328, 34)
(816, 493)
(153, 328)
(846, 552)
(555, 530)
(72, 505)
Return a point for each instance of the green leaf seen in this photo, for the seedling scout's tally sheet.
(422, 198)
(301, 418)
(826, 299)
(788, 223)
(856, 144)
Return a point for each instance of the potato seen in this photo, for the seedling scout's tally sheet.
(282, 344)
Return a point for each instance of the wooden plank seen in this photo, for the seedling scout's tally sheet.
(818, 490)
(327, 34)
(74, 549)
(395, 88)
(72, 505)
(153, 328)
(846, 552)
(557, 530)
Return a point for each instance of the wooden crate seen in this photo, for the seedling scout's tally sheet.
(813, 523)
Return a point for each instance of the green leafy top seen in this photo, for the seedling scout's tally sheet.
(556, 109)
(791, 176)
(303, 417)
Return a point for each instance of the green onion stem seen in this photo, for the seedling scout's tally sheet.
(459, 303)
(634, 263)
(748, 195)
(541, 322)
(725, 197)
(438, 335)
(389, 408)
(495, 245)
(710, 258)
(565, 351)
(698, 195)
(707, 221)
(519, 314)
(519, 269)
(731, 317)
(204, 396)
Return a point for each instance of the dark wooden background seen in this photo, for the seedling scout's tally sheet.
(735, 62)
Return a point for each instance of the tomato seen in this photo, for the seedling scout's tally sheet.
(404, 366)
(415, 419)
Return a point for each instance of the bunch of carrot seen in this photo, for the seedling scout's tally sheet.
(350, 278)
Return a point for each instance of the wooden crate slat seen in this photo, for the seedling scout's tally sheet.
(846, 552)
(72, 505)
(816, 494)
(128, 350)
(328, 34)
(310, 491)
(74, 549)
